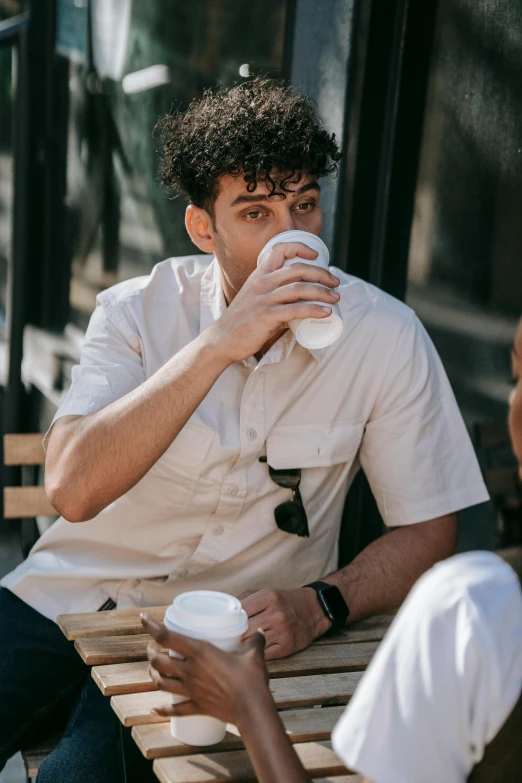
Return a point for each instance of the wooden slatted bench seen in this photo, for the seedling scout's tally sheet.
(24, 502)
(21, 502)
(33, 757)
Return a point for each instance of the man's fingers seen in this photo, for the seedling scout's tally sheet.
(246, 594)
(307, 292)
(169, 639)
(289, 312)
(275, 651)
(176, 710)
(276, 256)
(309, 273)
(258, 601)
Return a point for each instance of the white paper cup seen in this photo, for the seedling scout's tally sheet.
(214, 617)
(310, 332)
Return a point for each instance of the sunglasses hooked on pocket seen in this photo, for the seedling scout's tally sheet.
(290, 516)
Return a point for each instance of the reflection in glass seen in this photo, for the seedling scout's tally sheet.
(465, 267)
(10, 8)
(7, 96)
(122, 221)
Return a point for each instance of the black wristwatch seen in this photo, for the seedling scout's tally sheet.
(333, 604)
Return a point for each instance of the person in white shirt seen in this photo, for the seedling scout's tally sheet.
(191, 387)
(441, 700)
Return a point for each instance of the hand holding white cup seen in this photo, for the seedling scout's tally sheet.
(310, 332)
(214, 617)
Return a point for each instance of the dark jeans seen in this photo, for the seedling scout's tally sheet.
(44, 686)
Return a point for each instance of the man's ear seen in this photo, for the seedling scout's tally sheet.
(199, 228)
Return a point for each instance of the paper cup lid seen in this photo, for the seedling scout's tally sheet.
(207, 610)
(319, 332)
(312, 240)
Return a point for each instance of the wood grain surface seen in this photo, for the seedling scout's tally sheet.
(113, 679)
(133, 709)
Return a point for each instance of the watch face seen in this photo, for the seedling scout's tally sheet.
(336, 603)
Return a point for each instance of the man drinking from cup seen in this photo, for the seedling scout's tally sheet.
(201, 446)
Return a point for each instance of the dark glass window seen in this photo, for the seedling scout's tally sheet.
(9, 8)
(7, 100)
(158, 55)
(465, 266)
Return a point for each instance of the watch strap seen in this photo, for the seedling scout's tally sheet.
(338, 621)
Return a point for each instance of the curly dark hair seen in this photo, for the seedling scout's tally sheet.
(258, 128)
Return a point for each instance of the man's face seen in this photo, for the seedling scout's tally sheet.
(244, 222)
(515, 400)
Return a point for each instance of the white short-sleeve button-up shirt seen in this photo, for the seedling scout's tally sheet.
(203, 516)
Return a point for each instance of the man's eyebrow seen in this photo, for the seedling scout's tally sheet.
(263, 197)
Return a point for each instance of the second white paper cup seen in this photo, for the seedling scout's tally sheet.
(310, 332)
(214, 617)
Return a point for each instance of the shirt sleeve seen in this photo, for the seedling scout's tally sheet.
(443, 681)
(110, 366)
(416, 451)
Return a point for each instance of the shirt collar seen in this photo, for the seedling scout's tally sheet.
(212, 302)
(213, 305)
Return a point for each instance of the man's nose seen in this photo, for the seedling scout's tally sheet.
(287, 222)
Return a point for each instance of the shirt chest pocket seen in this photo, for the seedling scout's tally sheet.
(314, 445)
(173, 480)
(327, 457)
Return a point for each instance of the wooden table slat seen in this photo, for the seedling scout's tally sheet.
(116, 622)
(124, 622)
(106, 650)
(373, 629)
(113, 679)
(341, 779)
(133, 709)
(100, 650)
(318, 758)
(309, 725)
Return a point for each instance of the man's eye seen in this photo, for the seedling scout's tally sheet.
(304, 206)
(254, 214)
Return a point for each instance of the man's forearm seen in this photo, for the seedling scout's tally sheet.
(380, 577)
(101, 456)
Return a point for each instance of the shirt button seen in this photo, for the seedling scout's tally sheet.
(219, 530)
(233, 490)
(251, 434)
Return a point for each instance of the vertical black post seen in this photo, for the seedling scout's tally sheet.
(377, 194)
(381, 190)
(14, 397)
(288, 39)
(47, 287)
